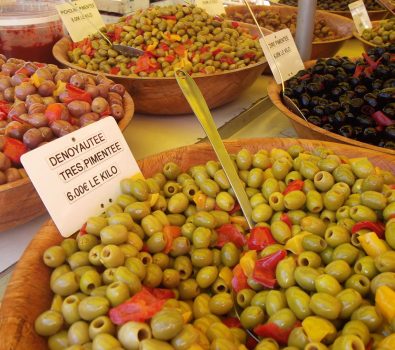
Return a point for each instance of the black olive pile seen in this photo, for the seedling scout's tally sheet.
(336, 5)
(353, 98)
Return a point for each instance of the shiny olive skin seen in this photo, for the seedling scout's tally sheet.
(66, 284)
(92, 307)
(251, 316)
(325, 305)
(78, 333)
(166, 324)
(339, 269)
(221, 303)
(350, 300)
(48, 323)
(305, 277)
(230, 254)
(285, 270)
(368, 315)
(206, 276)
(298, 301)
(54, 256)
(105, 341)
(275, 301)
(99, 325)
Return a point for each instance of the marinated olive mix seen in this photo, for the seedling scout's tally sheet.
(337, 5)
(165, 266)
(40, 102)
(172, 37)
(382, 35)
(273, 21)
(353, 98)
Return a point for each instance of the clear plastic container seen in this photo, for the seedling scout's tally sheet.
(29, 29)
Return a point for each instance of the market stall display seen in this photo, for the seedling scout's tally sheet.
(203, 258)
(38, 103)
(330, 30)
(375, 10)
(344, 100)
(223, 56)
(381, 34)
(29, 29)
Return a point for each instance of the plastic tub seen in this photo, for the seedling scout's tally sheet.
(29, 29)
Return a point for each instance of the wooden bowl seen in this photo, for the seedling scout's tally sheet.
(327, 48)
(367, 45)
(164, 97)
(307, 130)
(19, 201)
(28, 293)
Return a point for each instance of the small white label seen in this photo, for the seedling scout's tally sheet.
(360, 16)
(282, 54)
(81, 18)
(213, 7)
(78, 175)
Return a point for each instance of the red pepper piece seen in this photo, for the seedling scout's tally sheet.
(144, 64)
(161, 293)
(139, 308)
(249, 55)
(271, 330)
(373, 64)
(229, 233)
(14, 149)
(114, 70)
(83, 230)
(392, 187)
(180, 50)
(295, 185)
(170, 17)
(170, 232)
(170, 58)
(260, 238)
(216, 51)
(239, 280)
(381, 119)
(285, 218)
(4, 109)
(305, 76)
(358, 71)
(74, 93)
(227, 59)
(377, 227)
(232, 322)
(54, 111)
(265, 269)
(164, 46)
(369, 346)
(235, 24)
(204, 49)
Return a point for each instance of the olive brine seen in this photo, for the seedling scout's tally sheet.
(166, 264)
(353, 98)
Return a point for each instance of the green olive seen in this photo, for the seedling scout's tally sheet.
(48, 323)
(166, 324)
(221, 303)
(92, 307)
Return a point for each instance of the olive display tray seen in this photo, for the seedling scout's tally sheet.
(162, 96)
(28, 293)
(367, 45)
(308, 130)
(328, 48)
(19, 201)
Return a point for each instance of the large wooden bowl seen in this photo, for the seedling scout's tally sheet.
(328, 48)
(307, 130)
(28, 292)
(367, 45)
(19, 201)
(163, 96)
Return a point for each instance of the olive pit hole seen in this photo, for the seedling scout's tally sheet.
(275, 200)
(98, 323)
(71, 300)
(319, 177)
(106, 253)
(191, 192)
(142, 334)
(145, 260)
(182, 273)
(304, 262)
(221, 288)
(90, 286)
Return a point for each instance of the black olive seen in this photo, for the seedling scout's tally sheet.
(342, 77)
(314, 119)
(319, 68)
(351, 94)
(336, 91)
(328, 127)
(295, 101)
(332, 107)
(301, 73)
(315, 100)
(298, 89)
(339, 118)
(358, 130)
(371, 99)
(382, 70)
(346, 131)
(389, 110)
(354, 81)
(305, 112)
(344, 86)
(329, 80)
(364, 120)
(343, 99)
(369, 134)
(356, 103)
(377, 84)
(361, 89)
(366, 109)
(386, 95)
(389, 83)
(304, 100)
(390, 145)
(314, 88)
(349, 67)
(332, 62)
(319, 110)
(288, 92)
(330, 70)
(390, 131)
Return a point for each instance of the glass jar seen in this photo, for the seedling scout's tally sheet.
(29, 29)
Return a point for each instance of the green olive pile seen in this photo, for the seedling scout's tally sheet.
(326, 284)
(337, 5)
(173, 37)
(274, 21)
(382, 35)
(40, 102)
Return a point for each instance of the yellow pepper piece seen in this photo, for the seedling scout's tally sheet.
(153, 198)
(385, 298)
(187, 316)
(174, 37)
(294, 244)
(239, 220)
(247, 262)
(200, 200)
(57, 302)
(372, 245)
(226, 274)
(137, 176)
(60, 87)
(388, 343)
(36, 80)
(153, 46)
(317, 328)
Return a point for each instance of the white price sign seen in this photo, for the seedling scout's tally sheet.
(282, 54)
(78, 175)
(360, 16)
(213, 7)
(81, 18)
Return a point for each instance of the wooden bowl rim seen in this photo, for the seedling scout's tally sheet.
(328, 14)
(368, 43)
(273, 90)
(123, 123)
(58, 47)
